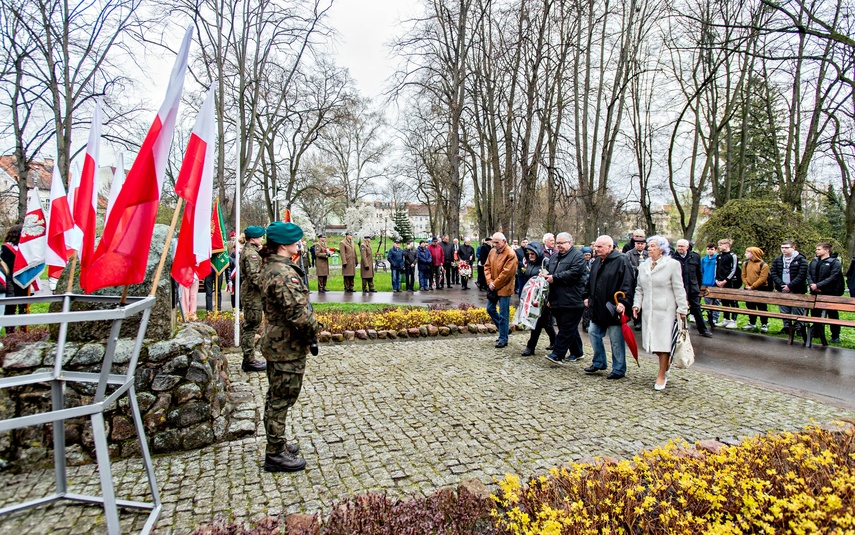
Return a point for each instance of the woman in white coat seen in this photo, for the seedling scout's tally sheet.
(660, 297)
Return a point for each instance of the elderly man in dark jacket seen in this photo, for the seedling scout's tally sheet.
(566, 277)
(789, 274)
(447, 261)
(610, 273)
(691, 265)
(410, 260)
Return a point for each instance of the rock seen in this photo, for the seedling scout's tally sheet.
(337, 337)
(463, 329)
(302, 524)
(160, 321)
(130, 448)
(491, 328)
(165, 382)
(475, 488)
(444, 331)
(197, 437)
(199, 373)
(29, 356)
(324, 337)
(144, 377)
(472, 328)
(452, 328)
(240, 428)
(482, 329)
(372, 334)
(349, 335)
(189, 414)
(123, 428)
(186, 392)
(176, 366)
(362, 334)
(423, 331)
(392, 334)
(403, 333)
(166, 441)
(712, 446)
(842, 425)
(219, 427)
(145, 401)
(88, 355)
(124, 351)
(74, 455)
(432, 330)
(381, 334)
(161, 351)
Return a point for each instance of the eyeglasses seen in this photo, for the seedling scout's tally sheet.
(560, 242)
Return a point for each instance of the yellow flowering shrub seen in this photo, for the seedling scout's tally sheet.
(797, 483)
(401, 318)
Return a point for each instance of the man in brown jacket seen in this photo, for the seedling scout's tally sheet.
(499, 270)
(366, 272)
(348, 262)
(322, 263)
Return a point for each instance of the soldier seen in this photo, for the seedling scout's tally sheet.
(348, 262)
(322, 263)
(250, 297)
(291, 330)
(367, 269)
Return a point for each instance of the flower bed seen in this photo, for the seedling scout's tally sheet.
(397, 318)
(779, 483)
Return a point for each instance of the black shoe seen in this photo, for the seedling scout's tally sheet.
(574, 358)
(555, 358)
(253, 365)
(348, 291)
(527, 352)
(550, 347)
(500, 345)
(593, 369)
(293, 449)
(637, 327)
(372, 291)
(706, 334)
(283, 461)
(614, 375)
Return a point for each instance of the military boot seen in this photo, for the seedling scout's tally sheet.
(253, 365)
(284, 461)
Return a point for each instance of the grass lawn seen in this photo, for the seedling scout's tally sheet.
(847, 335)
(335, 282)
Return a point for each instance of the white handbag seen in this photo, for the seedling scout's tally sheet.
(682, 352)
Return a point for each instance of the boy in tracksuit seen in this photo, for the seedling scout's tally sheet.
(726, 268)
(708, 266)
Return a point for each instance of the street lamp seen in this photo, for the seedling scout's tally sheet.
(511, 198)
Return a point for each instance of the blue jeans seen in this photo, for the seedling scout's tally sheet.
(396, 279)
(596, 334)
(502, 317)
(424, 279)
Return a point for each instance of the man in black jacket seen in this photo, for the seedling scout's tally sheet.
(825, 277)
(448, 255)
(483, 253)
(727, 276)
(789, 274)
(410, 261)
(610, 273)
(566, 278)
(466, 254)
(691, 264)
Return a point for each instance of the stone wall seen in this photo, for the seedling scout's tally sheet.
(184, 393)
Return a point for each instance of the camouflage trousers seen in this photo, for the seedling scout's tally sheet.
(249, 327)
(284, 389)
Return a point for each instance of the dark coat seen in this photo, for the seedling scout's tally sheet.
(827, 275)
(568, 272)
(466, 253)
(447, 252)
(798, 273)
(425, 258)
(609, 275)
(396, 258)
(725, 269)
(691, 266)
(850, 278)
(483, 253)
(411, 256)
(532, 269)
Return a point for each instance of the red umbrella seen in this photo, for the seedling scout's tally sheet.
(628, 334)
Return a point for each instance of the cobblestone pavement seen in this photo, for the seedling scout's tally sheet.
(408, 417)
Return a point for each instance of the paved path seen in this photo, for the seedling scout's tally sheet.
(409, 417)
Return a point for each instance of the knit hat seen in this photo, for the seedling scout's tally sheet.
(284, 233)
(254, 232)
(586, 250)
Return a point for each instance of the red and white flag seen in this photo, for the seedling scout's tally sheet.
(116, 186)
(122, 253)
(30, 260)
(86, 194)
(59, 222)
(195, 185)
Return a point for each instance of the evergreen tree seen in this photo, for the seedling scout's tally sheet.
(403, 227)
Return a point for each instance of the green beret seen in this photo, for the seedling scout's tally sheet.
(284, 233)
(254, 232)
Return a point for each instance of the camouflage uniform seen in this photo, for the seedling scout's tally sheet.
(250, 298)
(291, 327)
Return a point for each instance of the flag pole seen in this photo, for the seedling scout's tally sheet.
(236, 310)
(166, 246)
(71, 275)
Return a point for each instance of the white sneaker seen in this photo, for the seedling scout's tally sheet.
(731, 324)
(691, 319)
(749, 327)
(764, 328)
(721, 323)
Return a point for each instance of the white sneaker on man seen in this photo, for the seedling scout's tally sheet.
(749, 327)
(731, 324)
(721, 323)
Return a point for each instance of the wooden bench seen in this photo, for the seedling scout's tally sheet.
(825, 303)
(755, 296)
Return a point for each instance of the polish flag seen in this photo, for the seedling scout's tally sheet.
(195, 185)
(86, 195)
(59, 223)
(116, 186)
(73, 236)
(122, 254)
(30, 260)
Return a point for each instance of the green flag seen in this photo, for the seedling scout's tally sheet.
(219, 252)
